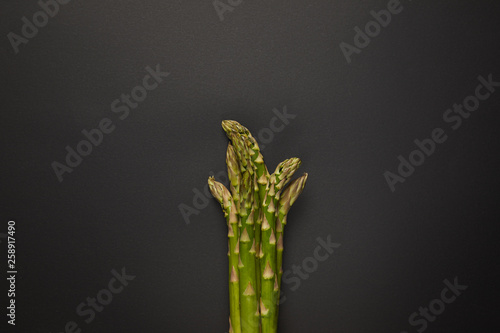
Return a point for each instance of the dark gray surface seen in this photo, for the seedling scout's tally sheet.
(120, 206)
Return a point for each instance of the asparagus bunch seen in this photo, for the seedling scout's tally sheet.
(256, 207)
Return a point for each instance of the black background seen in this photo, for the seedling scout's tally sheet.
(120, 206)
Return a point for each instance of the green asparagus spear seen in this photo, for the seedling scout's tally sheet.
(287, 199)
(256, 211)
(221, 193)
(240, 155)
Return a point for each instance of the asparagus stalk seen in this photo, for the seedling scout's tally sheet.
(233, 171)
(250, 314)
(281, 176)
(248, 297)
(268, 303)
(261, 177)
(221, 193)
(283, 173)
(290, 195)
(287, 199)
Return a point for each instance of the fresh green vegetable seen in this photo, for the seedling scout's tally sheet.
(256, 208)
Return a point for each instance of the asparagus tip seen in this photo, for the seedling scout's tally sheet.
(219, 191)
(232, 126)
